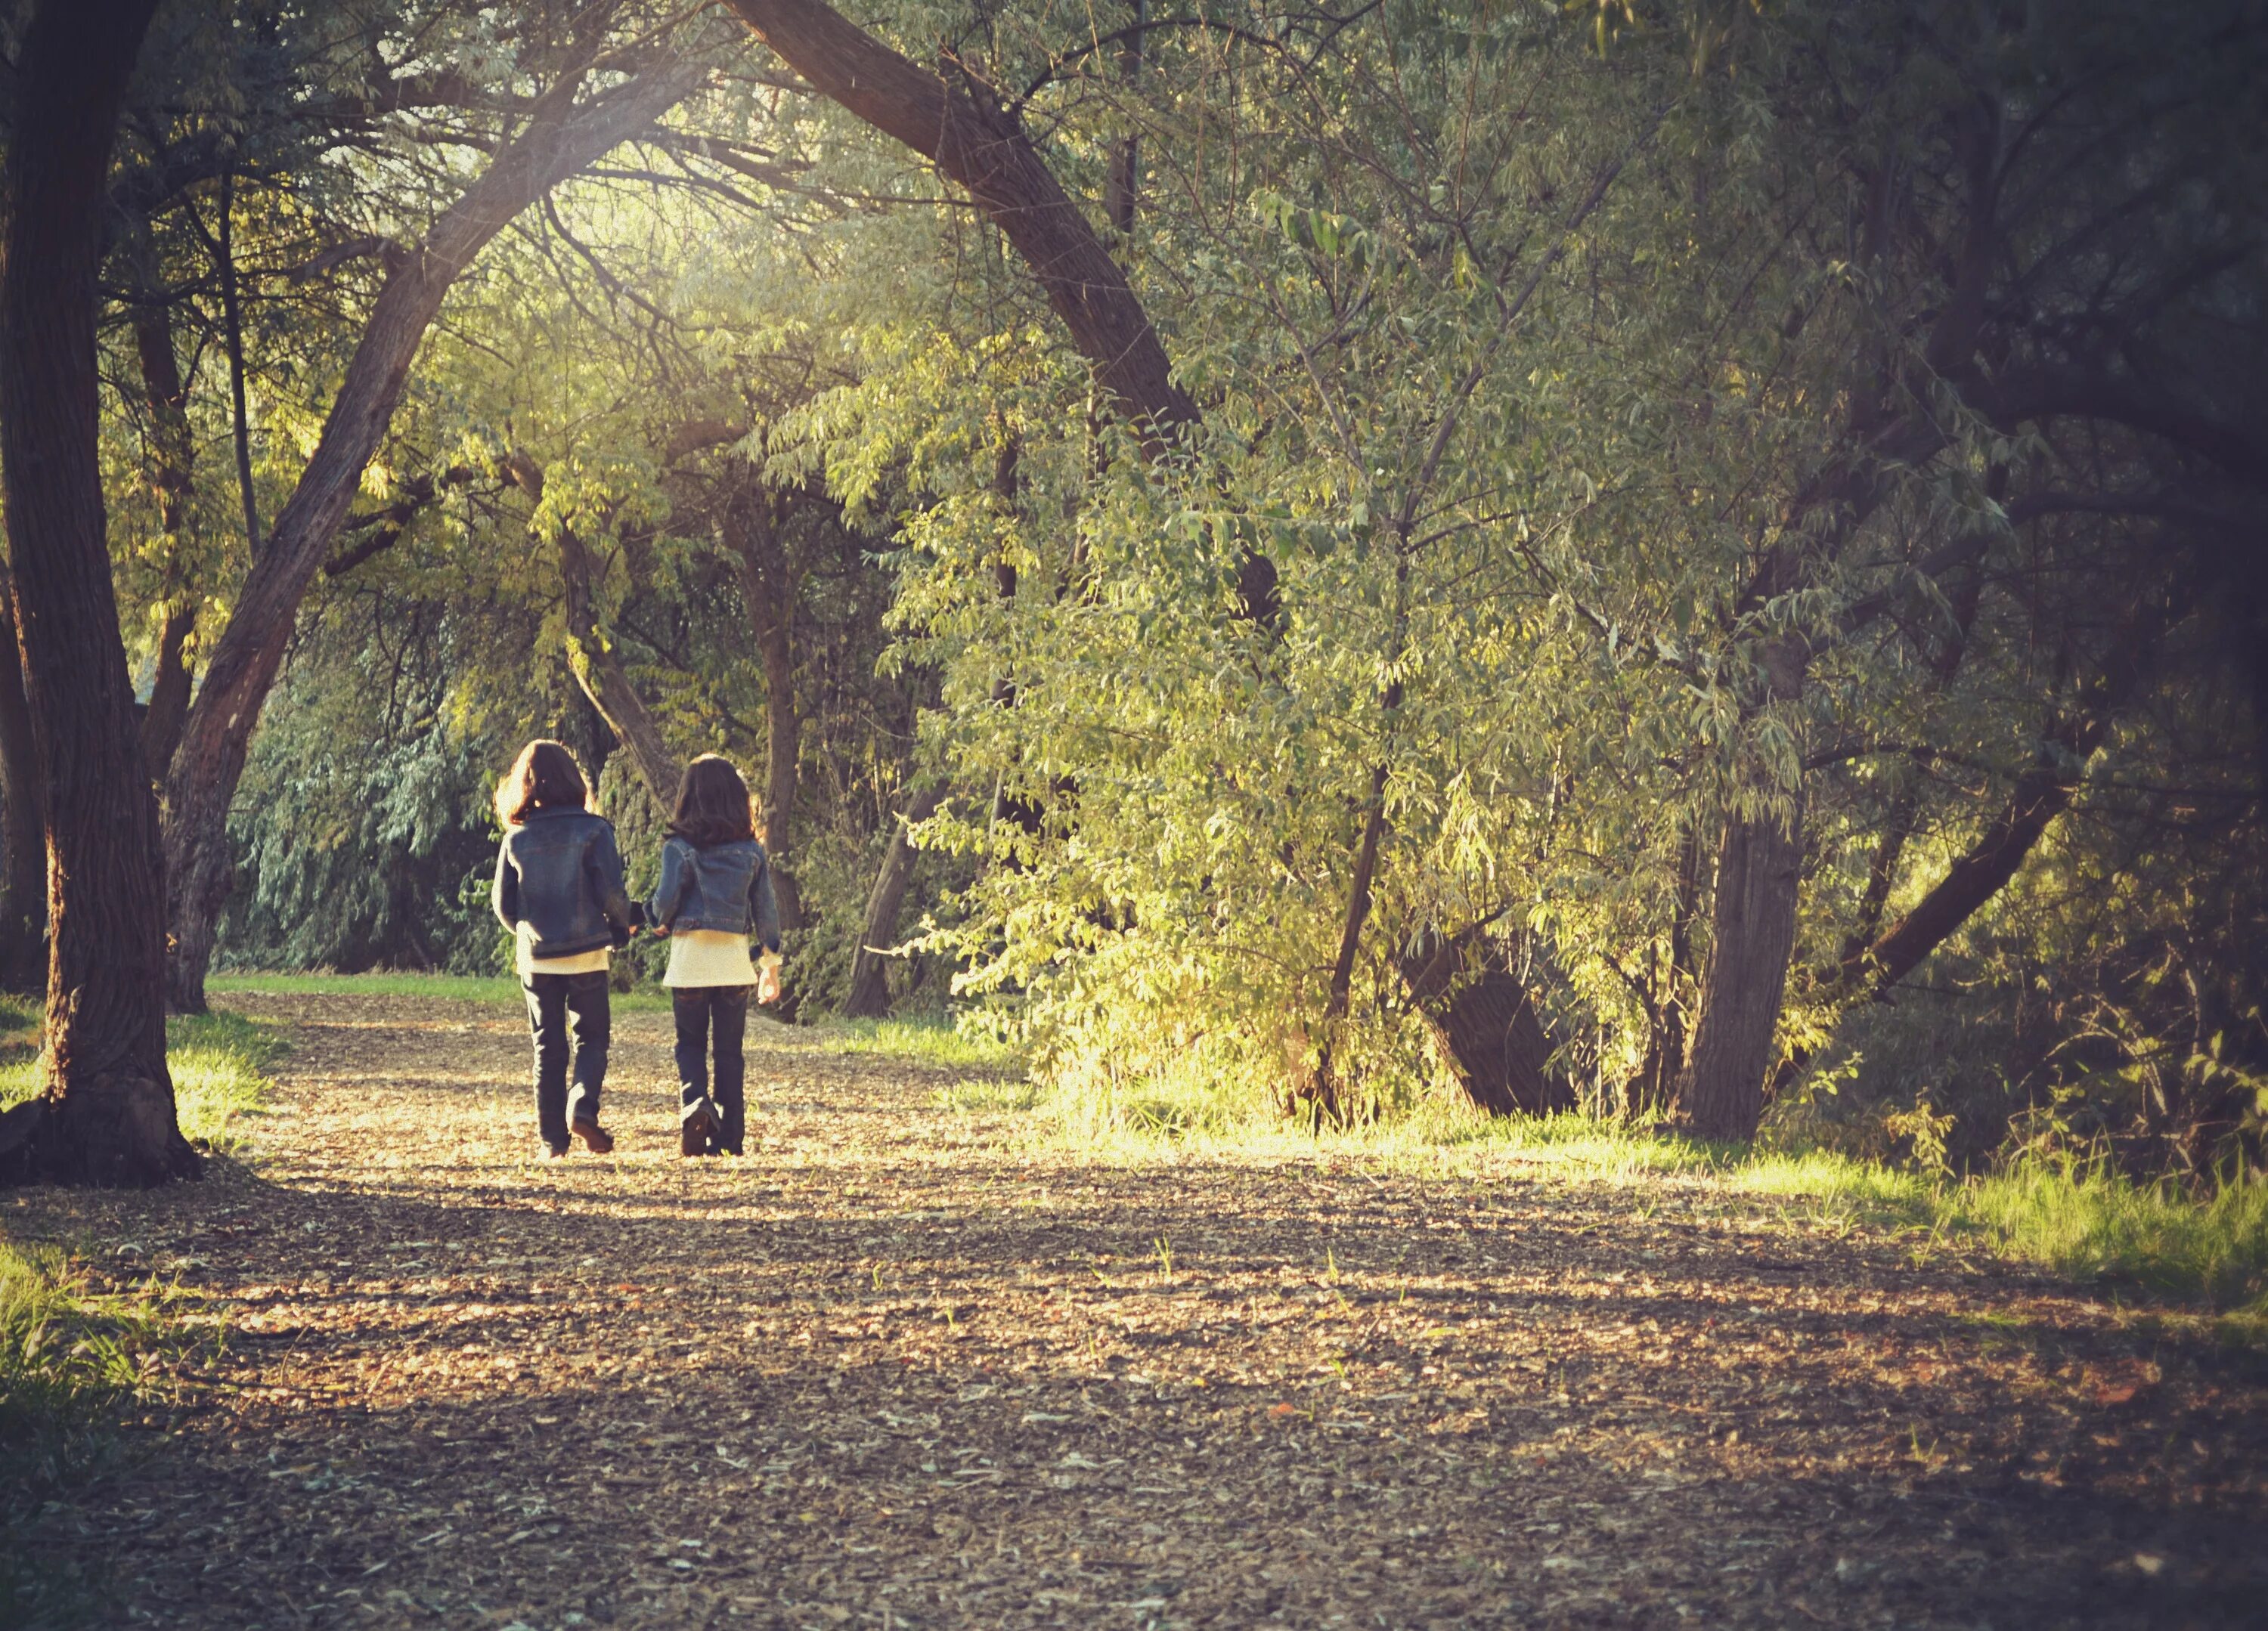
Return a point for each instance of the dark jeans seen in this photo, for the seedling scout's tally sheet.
(722, 1010)
(570, 1017)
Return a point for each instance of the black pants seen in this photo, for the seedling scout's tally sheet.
(722, 1010)
(571, 1019)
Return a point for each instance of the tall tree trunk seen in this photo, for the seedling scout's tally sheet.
(767, 590)
(23, 824)
(232, 331)
(172, 477)
(1485, 1022)
(558, 140)
(107, 1113)
(870, 986)
(1720, 1093)
(1122, 191)
(597, 665)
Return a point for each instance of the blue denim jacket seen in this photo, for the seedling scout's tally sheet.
(725, 886)
(562, 876)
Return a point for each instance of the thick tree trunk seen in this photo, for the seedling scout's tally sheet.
(1751, 937)
(558, 141)
(870, 986)
(107, 1113)
(767, 590)
(1485, 1023)
(23, 824)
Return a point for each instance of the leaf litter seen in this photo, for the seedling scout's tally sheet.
(903, 1369)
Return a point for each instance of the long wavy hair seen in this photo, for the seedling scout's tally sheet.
(545, 776)
(714, 805)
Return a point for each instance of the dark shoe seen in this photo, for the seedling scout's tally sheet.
(595, 1138)
(698, 1130)
(554, 1152)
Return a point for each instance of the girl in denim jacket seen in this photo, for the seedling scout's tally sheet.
(715, 887)
(559, 889)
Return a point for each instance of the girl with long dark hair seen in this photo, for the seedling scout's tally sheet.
(716, 888)
(559, 889)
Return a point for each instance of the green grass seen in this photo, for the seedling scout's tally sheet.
(496, 990)
(219, 1062)
(928, 1041)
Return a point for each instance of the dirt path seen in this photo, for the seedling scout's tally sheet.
(892, 1370)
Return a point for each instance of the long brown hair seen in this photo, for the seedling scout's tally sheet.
(714, 805)
(545, 776)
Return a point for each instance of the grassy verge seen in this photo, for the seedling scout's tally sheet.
(496, 990)
(219, 1063)
(2154, 1243)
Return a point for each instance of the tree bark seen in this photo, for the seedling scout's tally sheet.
(1485, 1022)
(558, 140)
(107, 1114)
(23, 824)
(767, 590)
(870, 986)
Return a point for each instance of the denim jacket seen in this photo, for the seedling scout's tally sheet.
(562, 876)
(725, 886)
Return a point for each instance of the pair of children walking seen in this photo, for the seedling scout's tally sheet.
(560, 889)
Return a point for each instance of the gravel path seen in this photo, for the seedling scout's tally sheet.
(898, 1368)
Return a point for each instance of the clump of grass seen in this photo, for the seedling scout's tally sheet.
(19, 1014)
(988, 1095)
(69, 1359)
(72, 1360)
(219, 1063)
(931, 1041)
(2091, 1222)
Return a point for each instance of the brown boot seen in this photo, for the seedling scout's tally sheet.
(595, 1138)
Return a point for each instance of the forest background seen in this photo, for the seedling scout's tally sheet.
(1698, 563)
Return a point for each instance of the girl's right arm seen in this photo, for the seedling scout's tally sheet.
(503, 894)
